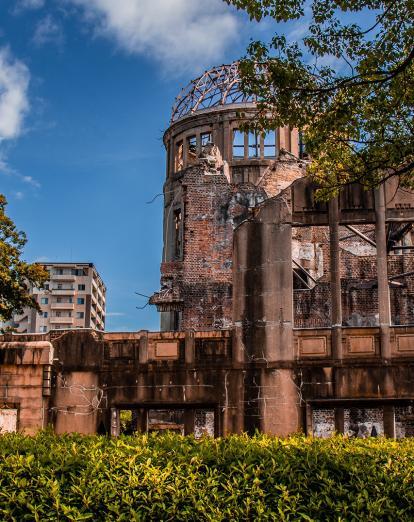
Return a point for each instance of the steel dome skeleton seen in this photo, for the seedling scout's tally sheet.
(215, 88)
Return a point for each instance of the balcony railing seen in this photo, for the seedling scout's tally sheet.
(62, 306)
(61, 320)
(63, 291)
(65, 277)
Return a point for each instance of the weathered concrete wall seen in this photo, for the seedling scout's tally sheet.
(96, 375)
(25, 381)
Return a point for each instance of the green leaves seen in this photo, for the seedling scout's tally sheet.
(16, 276)
(349, 87)
(238, 478)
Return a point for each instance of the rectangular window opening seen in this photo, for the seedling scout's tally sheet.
(206, 139)
(269, 144)
(192, 150)
(238, 144)
(179, 156)
(177, 233)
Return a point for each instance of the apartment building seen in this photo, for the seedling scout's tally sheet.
(74, 297)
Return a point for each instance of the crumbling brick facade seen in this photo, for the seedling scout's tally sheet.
(205, 200)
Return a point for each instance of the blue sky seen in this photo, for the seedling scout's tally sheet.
(89, 89)
(86, 89)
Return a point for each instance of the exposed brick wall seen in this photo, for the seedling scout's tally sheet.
(359, 286)
(215, 201)
(213, 206)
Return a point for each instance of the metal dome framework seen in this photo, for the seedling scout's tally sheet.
(215, 88)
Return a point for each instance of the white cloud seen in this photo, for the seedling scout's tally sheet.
(115, 314)
(14, 103)
(30, 181)
(31, 4)
(48, 30)
(180, 34)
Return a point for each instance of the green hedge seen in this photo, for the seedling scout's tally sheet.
(170, 477)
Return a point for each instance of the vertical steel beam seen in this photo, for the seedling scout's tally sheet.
(336, 298)
(384, 306)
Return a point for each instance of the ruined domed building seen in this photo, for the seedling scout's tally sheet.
(278, 312)
(216, 174)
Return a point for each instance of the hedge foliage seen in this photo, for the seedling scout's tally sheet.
(169, 477)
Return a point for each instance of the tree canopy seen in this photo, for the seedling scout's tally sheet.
(348, 86)
(16, 276)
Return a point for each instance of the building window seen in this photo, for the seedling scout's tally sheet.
(192, 150)
(81, 287)
(269, 144)
(44, 300)
(46, 286)
(206, 139)
(80, 315)
(300, 279)
(70, 300)
(58, 271)
(238, 144)
(58, 314)
(80, 301)
(43, 329)
(179, 156)
(45, 315)
(254, 144)
(177, 233)
(59, 286)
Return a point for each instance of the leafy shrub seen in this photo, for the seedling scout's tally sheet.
(170, 477)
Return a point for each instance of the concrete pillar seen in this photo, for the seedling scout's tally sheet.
(335, 268)
(339, 420)
(263, 286)
(389, 421)
(189, 416)
(218, 137)
(142, 420)
(384, 306)
(294, 142)
(115, 422)
(171, 156)
(282, 138)
(246, 147)
(189, 348)
(143, 348)
(279, 403)
(309, 420)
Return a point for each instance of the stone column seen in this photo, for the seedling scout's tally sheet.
(189, 347)
(389, 421)
(263, 316)
(384, 306)
(115, 422)
(143, 348)
(335, 267)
